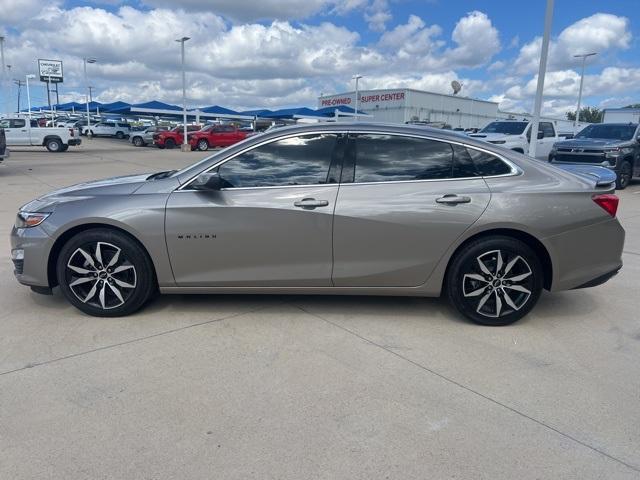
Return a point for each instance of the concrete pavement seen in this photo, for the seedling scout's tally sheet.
(238, 387)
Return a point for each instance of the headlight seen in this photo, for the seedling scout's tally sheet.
(612, 152)
(30, 219)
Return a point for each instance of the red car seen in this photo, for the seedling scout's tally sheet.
(171, 138)
(216, 136)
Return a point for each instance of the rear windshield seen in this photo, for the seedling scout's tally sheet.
(608, 132)
(508, 128)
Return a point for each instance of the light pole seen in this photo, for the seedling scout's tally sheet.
(584, 59)
(86, 82)
(184, 147)
(4, 77)
(356, 77)
(27, 77)
(548, 18)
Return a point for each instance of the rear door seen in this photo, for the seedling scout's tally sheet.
(402, 202)
(271, 224)
(16, 131)
(546, 142)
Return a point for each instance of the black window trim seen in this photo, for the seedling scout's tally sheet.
(515, 170)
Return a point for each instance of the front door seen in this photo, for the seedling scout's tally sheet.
(16, 131)
(402, 203)
(271, 224)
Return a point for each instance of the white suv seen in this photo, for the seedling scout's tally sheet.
(516, 135)
(107, 128)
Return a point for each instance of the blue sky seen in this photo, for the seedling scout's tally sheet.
(246, 54)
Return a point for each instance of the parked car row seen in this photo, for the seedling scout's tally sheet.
(615, 146)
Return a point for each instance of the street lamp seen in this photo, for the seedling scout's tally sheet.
(86, 82)
(27, 77)
(356, 77)
(584, 59)
(184, 147)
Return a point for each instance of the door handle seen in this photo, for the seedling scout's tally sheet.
(310, 203)
(453, 199)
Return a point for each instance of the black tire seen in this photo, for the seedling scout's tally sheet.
(169, 143)
(138, 141)
(481, 294)
(65, 148)
(119, 135)
(203, 145)
(161, 147)
(128, 270)
(54, 145)
(624, 175)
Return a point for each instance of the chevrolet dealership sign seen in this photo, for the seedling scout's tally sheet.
(50, 71)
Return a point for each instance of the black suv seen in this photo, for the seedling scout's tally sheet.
(3, 146)
(612, 145)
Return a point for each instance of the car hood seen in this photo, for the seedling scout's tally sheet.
(590, 143)
(489, 137)
(125, 185)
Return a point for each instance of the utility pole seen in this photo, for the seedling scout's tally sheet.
(184, 147)
(90, 93)
(3, 80)
(19, 83)
(542, 69)
(356, 77)
(584, 59)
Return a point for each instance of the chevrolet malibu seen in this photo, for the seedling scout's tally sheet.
(350, 209)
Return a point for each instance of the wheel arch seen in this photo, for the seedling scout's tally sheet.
(63, 238)
(535, 244)
(51, 137)
(518, 149)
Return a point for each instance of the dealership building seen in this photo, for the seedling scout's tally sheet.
(403, 105)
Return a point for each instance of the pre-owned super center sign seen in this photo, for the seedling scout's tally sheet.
(50, 71)
(367, 99)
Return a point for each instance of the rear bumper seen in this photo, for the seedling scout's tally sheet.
(74, 141)
(586, 256)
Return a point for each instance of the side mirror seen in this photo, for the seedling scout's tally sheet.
(208, 181)
(540, 134)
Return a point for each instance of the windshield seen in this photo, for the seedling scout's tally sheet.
(508, 128)
(608, 132)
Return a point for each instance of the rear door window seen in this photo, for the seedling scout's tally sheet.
(488, 165)
(392, 158)
(547, 129)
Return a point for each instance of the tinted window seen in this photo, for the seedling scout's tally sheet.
(388, 158)
(487, 164)
(302, 160)
(18, 123)
(510, 128)
(463, 166)
(5, 124)
(609, 132)
(547, 129)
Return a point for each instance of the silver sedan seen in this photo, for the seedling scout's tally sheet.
(356, 209)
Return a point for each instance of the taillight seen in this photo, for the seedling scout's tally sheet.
(608, 202)
(71, 132)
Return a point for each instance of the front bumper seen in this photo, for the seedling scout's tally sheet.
(75, 141)
(32, 269)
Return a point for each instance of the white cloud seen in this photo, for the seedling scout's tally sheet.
(600, 33)
(477, 40)
(15, 12)
(377, 15)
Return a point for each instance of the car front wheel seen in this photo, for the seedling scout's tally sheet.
(203, 145)
(138, 141)
(105, 273)
(624, 176)
(495, 280)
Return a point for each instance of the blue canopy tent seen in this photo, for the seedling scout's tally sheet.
(68, 107)
(256, 113)
(292, 113)
(341, 109)
(116, 107)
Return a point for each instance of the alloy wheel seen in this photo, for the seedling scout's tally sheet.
(497, 283)
(99, 274)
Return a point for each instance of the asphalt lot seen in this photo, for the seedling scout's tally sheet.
(239, 387)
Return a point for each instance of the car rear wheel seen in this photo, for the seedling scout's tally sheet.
(138, 141)
(624, 176)
(119, 135)
(203, 145)
(170, 143)
(54, 145)
(105, 273)
(495, 280)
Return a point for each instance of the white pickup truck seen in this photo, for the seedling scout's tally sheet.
(20, 131)
(516, 135)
